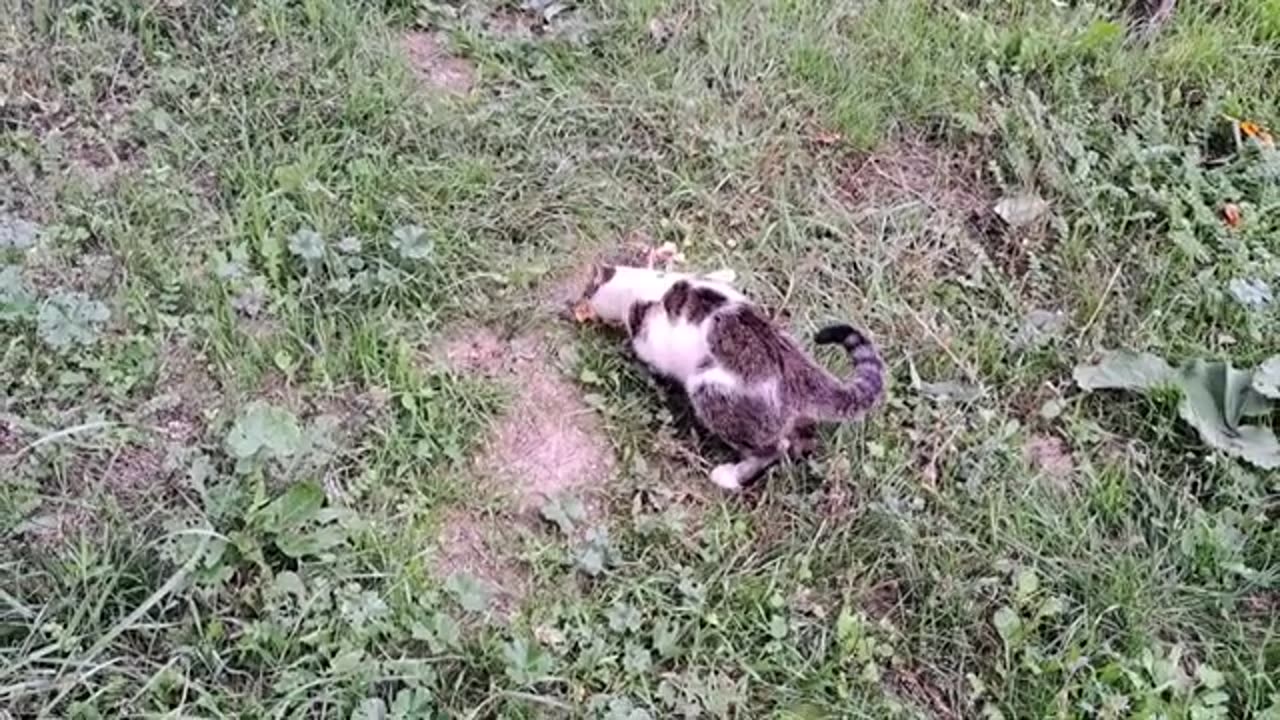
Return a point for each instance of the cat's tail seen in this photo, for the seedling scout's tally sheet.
(852, 399)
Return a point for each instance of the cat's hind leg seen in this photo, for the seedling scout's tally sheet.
(751, 423)
(735, 476)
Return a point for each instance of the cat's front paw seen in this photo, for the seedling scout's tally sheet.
(726, 476)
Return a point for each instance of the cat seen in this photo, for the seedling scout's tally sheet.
(748, 382)
(613, 289)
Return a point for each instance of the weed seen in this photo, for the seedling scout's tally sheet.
(288, 427)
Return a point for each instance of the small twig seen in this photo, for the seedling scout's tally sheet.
(1102, 303)
(970, 372)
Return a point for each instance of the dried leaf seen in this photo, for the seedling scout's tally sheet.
(1231, 214)
(1022, 209)
(949, 391)
(1124, 370)
(1040, 327)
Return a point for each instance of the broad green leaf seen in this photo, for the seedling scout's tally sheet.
(370, 709)
(16, 300)
(1026, 584)
(307, 244)
(1228, 384)
(1101, 33)
(665, 638)
(1021, 209)
(16, 233)
(1008, 624)
(1266, 378)
(297, 544)
(347, 662)
(300, 503)
(778, 627)
(624, 617)
(446, 630)
(564, 510)
(69, 319)
(1205, 406)
(1124, 370)
(849, 628)
(412, 243)
(637, 660)
(590, 560)
(289, 583)
(471, 593)
(526, 662)
(1052, 607)
(266, 428)
(1209, 678)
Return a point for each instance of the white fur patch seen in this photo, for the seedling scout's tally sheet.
(612, 301)
(726, 476)
(672, 349)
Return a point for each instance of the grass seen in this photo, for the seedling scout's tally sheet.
(230, 461)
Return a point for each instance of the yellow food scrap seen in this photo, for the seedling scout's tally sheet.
(582, 311)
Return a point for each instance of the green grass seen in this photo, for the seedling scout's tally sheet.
(172, 547)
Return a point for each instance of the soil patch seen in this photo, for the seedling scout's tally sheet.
(548, 442)
(435, 66)
(186, 395)
(474, 545)
(926, 692)
(1050, 455)
(947, 193)
(913, 170)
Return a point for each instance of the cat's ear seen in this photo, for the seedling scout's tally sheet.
(600, 275)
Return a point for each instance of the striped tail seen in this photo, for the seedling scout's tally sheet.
(865, 387)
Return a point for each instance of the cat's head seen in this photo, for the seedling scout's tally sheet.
(613, 289)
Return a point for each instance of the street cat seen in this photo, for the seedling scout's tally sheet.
(748, 381)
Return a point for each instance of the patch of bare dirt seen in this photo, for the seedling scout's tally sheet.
(512, 25)
(1262, 604)
(10, 440)
(925, 690)
(186, 394)
(548, 442)
(883, 601)
(93, 273)
(435, 66)
(1049, 455)
(474, 545)
(950, 190)
(914, 170)
(135, 474)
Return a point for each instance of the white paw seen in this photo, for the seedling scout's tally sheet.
(726, 476)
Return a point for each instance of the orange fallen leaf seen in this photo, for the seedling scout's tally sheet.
(828, 138)
(1231, 214)
(1257, 132)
